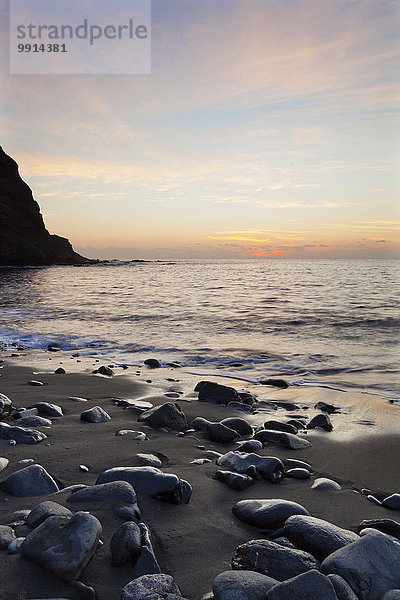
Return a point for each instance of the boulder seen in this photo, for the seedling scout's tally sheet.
(242, 585)
(258, 467)
(370, 565)
(95, 415)
(21, 435)
(342, 589)
(29, 481)
(44, 510)
(322, 421)
(392, 502)
(166, 487)
(268, 513)
(103, 370)
(151, 587)
(34, 422)
(281, 383)
(388, 526)
(46, 409)
(214, 392)
(234, 480)
(289, 440)
(241, 426)
(63, 545)
(7, 535)
(167, 415)
(278, 426)
(5, 406)
(311, 585)
(391, 595)
(150, 460)
(152, 363)
(126, 543)
(146, 563)
(250, 446)
(114, 491)
(272, 559)
(217, 432)
(316, 536)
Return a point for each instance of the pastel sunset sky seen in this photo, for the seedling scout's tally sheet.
(266, 128)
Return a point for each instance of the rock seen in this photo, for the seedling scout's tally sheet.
(150, 587)
(85, 592)
(268, 513)
(137, 435)
(48, 410)
(370, 565)
(5, 406)
(60, 371)
(149, 480)
(311, 585)
(327, 408)
(15, 545)
(20, 435)
(217, 432)
(150, 460)
(259, 467)
(44, 510)
(297, 423)
(323, 483)
(234, 480)
(34, 422)
(239, 406)
(201, 424)
(113, 491)
(29, 481)
(241, 426)
(316, 536)
(103, 370)
(167, 415)
(250, 446)
(200, 461)
(126, 544)
(392, 502)
(374, 500)
(289, 440)
(278, 426)
(246, 398)
(63, 545)
(25, 412)
(77, 399)
(298, 473)
(281, 383)
(3, 463)
(84, 468)
(387, 526)
(146, 563)
(53, 348)
(152, 363)
(36, 383)
(274, 560)
(7, 535)
(214, 392)
(293, 463)
(95, 415)
(322, 421)
(391, 595)
(342, 589)
(241, 585)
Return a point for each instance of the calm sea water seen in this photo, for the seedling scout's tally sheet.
(314, 322)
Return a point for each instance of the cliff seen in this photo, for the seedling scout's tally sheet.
(24, 239)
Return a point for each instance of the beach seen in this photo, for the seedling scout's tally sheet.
(192, 541)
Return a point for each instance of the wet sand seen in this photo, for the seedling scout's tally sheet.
(193, 542)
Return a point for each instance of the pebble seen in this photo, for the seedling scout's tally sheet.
(95, 415)
(35, 382)
(323, 483)
(392, 502)
(84, 468)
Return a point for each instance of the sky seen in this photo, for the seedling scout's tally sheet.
(267, 128)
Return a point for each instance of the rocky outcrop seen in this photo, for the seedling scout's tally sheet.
(24, 238)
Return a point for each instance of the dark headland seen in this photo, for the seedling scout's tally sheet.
(24, 238)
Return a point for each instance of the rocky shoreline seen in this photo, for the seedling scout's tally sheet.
(149, 482)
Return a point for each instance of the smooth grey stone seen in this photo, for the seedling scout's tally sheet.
(77, 399)
(201, 424)
(3, 463)
(200, 461)
(125, 544)
(388, 526)
(85, 591)
(112, 491)
(268, 513)
(311, 585)
(342, 589)
(316, 536)
(36, 383)
(236, 481)
(374, 500)
(217, 432)
(391, 595)
(167, 415)
(294, 463)
(5, 406)
(95, 415)
(127, 512)
(60, 371)
(7, 535)
(262, 467)
(240, 407)
(149, 480)
(48, 410)
(214, 392)
(34, 422)
(242, 585)
(298, 474)
(63, 545)
(136, 435)
(152, 363)
(44, 510)
(297, 423)
(21, 435)
(294, 442)
(25, 412)
(278, 426)
(272, 559)
(392, 502)
(281, 383)
(150, 586)
(328, 408)
(29, 481)
(241, 426)
(370, 566)
(250, 446)
(323, 483)
(322, 421)
(146, 563)
(103, 370)
(15, 545)
(150, 460)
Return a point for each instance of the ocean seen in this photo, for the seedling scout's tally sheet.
(331, 323)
